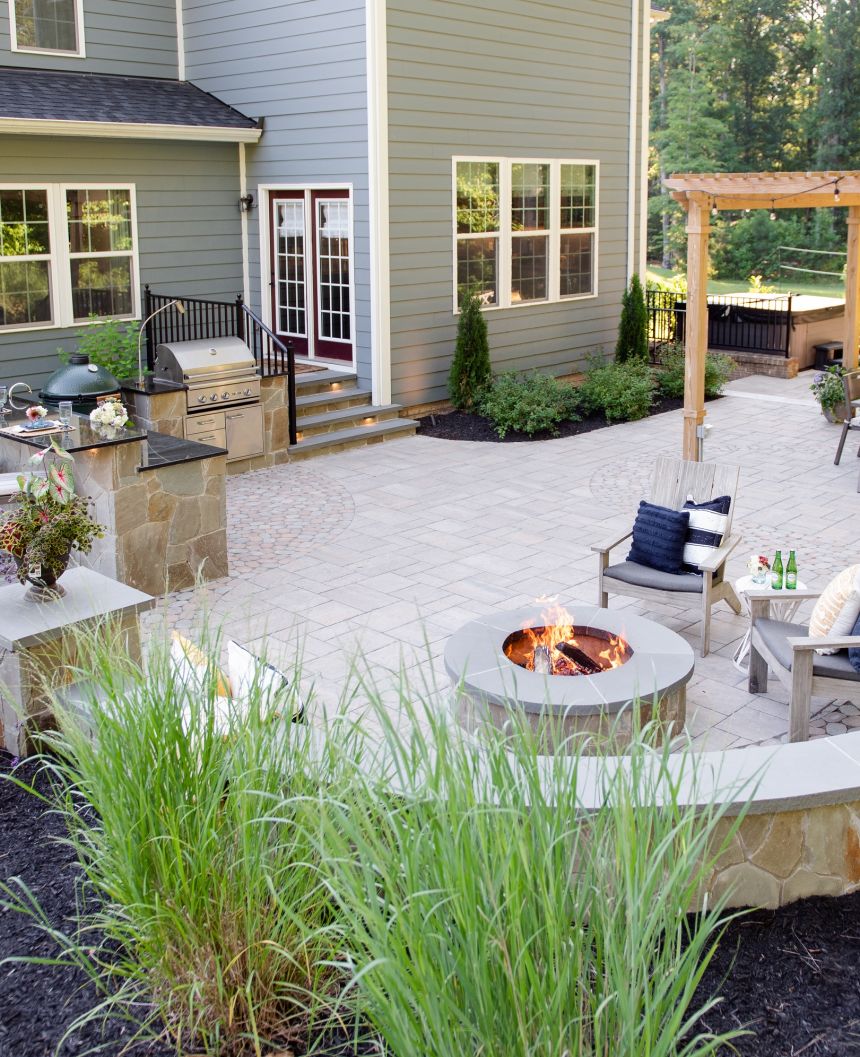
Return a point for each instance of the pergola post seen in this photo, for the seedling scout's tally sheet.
(696, 343)
(852, 291)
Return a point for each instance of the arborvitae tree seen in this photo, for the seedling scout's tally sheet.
(633, 326)
(470, 369)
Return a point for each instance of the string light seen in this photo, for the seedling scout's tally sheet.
(836, 193)
(772, 210)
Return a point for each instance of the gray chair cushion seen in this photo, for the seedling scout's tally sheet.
(645, 576)
(775, 635)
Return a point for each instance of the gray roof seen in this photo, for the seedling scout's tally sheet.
(53, 96)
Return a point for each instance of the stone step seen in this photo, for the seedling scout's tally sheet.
(317, 403)
(345, 417)
(324, 381)
(355, 437)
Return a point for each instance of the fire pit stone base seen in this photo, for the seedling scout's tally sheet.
(488, 686)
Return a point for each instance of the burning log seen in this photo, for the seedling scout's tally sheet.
(579, 658)
(542, 662)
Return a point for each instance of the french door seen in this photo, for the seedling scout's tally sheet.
(311, 272)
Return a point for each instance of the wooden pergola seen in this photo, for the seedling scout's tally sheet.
(699, 194)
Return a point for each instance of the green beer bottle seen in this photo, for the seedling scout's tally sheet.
(776, 572)
(791, 572)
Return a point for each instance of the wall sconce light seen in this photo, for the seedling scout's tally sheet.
(246, 203)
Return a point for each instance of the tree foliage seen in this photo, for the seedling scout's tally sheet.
(748, 86)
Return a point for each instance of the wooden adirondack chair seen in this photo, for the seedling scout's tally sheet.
(674, 481)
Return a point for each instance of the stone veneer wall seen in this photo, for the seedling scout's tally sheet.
(164, 413)
(165, 526)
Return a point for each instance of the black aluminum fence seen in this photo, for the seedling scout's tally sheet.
(745, 324)
(220, 319)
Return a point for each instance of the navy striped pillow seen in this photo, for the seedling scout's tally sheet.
(707, 527)
(659, 535)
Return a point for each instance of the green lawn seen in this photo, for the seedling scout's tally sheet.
(830, 288)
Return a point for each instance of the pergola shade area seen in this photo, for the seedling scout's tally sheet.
(699, 193)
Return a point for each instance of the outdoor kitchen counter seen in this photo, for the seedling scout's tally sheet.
(162, 500)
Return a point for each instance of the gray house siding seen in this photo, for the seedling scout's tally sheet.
(500, 78)
(187, 221)
(132, 37)
(301, 66)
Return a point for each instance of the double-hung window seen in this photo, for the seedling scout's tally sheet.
(54, 26)
(525, 230)
(67, 254)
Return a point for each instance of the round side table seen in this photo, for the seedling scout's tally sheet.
(782, 607)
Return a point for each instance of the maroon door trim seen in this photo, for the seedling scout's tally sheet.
(300, 344)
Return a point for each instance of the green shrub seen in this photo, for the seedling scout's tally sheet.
(632, 341)
(622, 391)
(528, 403)
(112, 345)
(486, 910)
(670, 373)
(204, 906)
(470, 369)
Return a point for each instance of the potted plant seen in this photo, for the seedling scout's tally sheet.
(50, 521)
(830, 393)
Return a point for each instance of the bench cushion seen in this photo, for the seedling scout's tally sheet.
(644, 576)
(775, 635)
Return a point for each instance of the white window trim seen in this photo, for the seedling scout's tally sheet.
(59, 262)
(80, 53)
(505, 233)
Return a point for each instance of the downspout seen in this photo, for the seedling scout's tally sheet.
(180, 42)
(377, 189)
(645, 138)
(243, 220)
(632, 146)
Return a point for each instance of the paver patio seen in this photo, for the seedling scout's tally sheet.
(388, 549)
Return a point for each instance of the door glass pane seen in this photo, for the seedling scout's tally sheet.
(578, 196)
(24, 223)
(48, 24)
(528, 269)
(333, 264)
(477, 269)
(290, 268)
(25, 293)
(99, 221)
(529, 196)
(577, 264)
(101, 286)
(477, 197)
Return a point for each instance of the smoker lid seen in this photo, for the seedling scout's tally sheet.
(79, 378)
(205, 355)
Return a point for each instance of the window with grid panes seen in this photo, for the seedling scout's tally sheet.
(525, 230)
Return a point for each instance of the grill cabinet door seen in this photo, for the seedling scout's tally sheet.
(244, 432)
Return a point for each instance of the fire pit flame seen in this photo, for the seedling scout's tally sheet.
(559, 647)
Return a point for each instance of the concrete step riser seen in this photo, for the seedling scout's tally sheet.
(336, 403)
(312, 388)
(358, 442)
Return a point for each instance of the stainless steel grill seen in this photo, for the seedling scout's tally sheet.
(220, 373)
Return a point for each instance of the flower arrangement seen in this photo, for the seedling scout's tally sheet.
(758, 567)
(109, 415)
(827, 387)
(36, 412)
(49, 522)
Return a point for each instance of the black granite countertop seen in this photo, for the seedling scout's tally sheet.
(151, 386)
(82, 437)
(164, 450)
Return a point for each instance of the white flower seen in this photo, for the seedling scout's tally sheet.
(110, 413)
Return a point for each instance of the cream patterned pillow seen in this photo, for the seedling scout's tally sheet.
(837, 609)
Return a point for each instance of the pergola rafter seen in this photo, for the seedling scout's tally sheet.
(699, 193)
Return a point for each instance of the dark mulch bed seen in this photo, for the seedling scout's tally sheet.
(790, 975)
(465, 425)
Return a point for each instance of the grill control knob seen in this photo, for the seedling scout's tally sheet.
(201, 399)
(246, 392)
(214, 396)
(225, 396)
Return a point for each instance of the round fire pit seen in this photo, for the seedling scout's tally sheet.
(570, 671)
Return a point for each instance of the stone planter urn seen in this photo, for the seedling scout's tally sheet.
(837, 414)
(45, 588)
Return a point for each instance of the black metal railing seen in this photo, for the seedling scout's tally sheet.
(743, 323)
(203, 318)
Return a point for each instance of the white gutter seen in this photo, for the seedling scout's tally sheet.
(632, 151)
(25, 126)
(644, 141)
(243, 220)
(377, 175)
